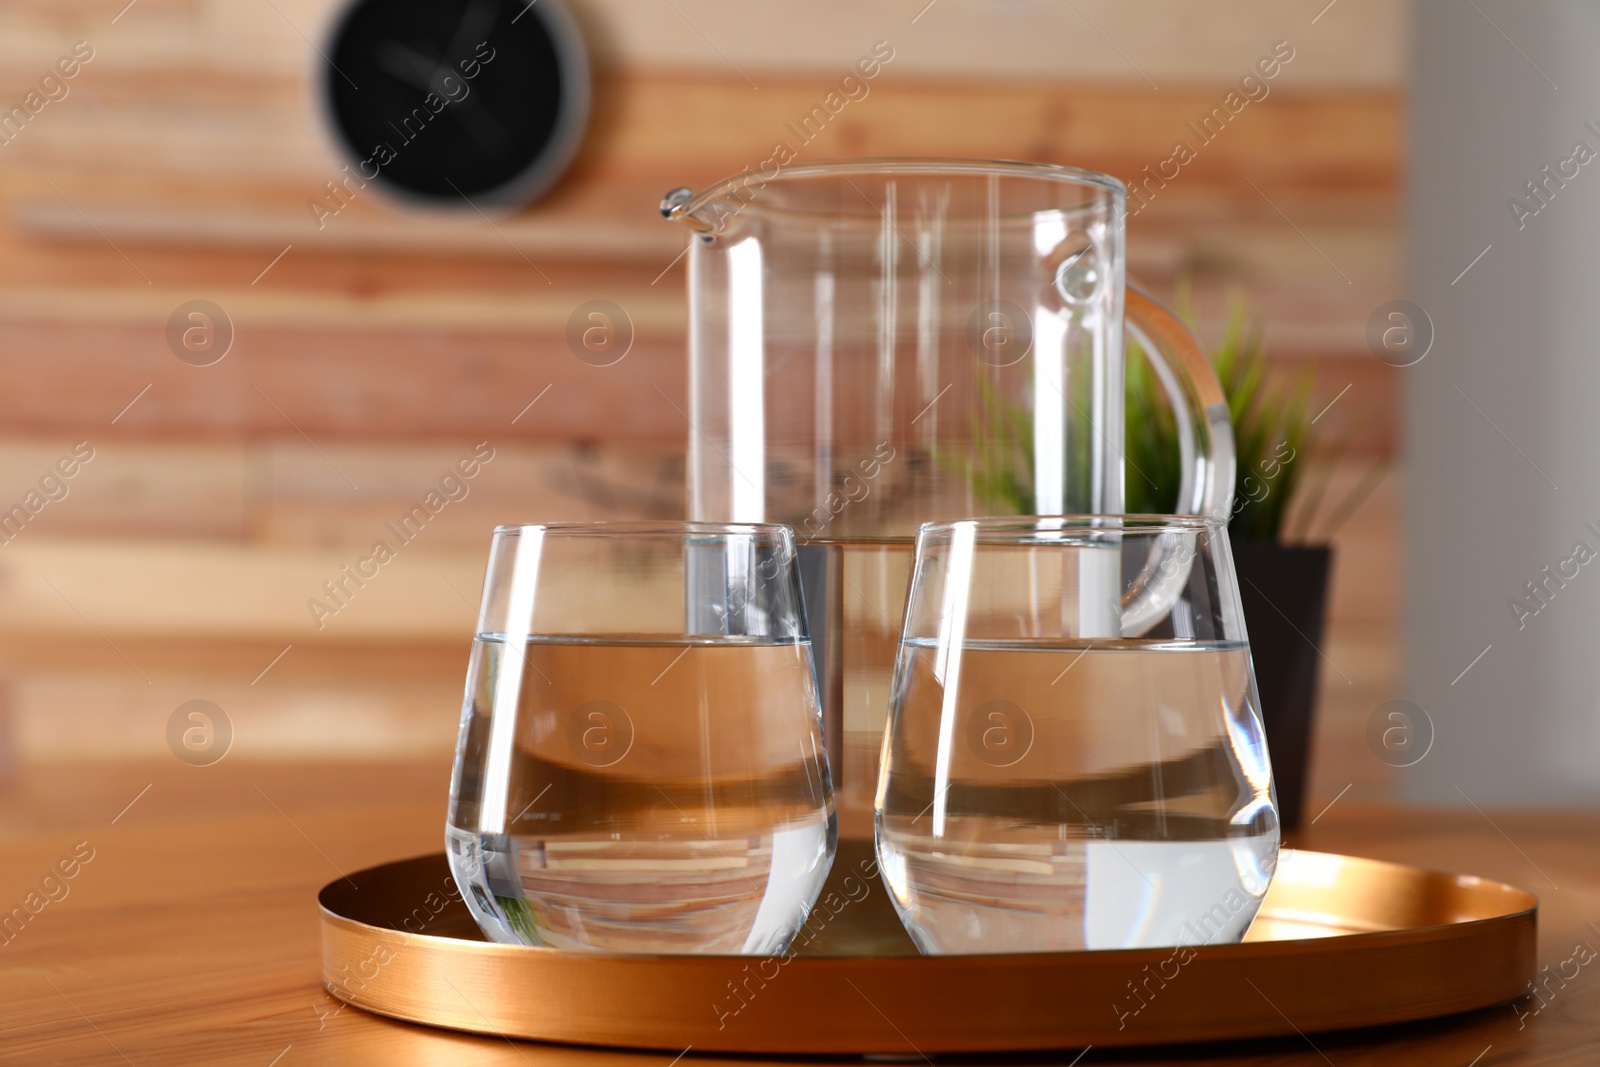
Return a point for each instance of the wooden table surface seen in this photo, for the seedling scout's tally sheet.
(189, 935)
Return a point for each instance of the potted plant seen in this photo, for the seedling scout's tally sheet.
(1283, 567)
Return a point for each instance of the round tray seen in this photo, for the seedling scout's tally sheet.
(1339, 942)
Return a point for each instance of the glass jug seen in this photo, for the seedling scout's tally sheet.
(874, 344)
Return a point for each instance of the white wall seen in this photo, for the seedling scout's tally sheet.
(1519, 336)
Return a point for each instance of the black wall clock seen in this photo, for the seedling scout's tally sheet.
(472, 102)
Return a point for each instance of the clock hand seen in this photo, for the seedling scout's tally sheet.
(409, 65)
(474, 26)
(481, 125)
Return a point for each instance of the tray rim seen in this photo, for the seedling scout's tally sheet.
(1512, 931)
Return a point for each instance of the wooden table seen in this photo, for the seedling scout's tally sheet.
(190, 936)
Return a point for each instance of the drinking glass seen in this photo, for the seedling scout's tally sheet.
(1046, 787)
(640, 765)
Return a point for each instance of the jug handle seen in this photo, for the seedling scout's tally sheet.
(1206, 447)
(1199, 406)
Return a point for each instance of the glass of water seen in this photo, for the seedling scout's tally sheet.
(1054, 780)
(640, 765)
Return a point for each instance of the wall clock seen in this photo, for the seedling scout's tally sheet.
(480, 102)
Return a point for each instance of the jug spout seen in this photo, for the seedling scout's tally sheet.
(675, 200)
(699, 213)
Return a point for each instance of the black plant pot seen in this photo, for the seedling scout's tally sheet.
(1285, 593)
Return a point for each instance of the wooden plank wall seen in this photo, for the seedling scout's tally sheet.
(372, 350)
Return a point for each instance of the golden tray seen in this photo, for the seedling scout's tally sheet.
(1339, 942)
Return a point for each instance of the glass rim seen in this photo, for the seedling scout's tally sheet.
(1081, 523)
(1110, 188)
(662, 528)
